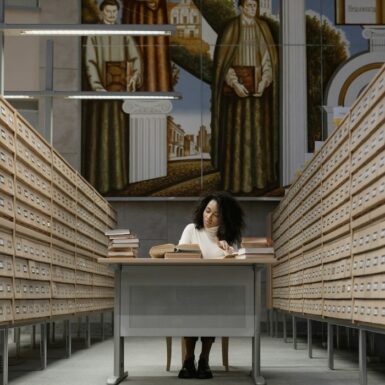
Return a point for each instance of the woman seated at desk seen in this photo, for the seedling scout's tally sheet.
(218, 221)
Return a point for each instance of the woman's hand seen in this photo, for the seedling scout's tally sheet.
(226, 247)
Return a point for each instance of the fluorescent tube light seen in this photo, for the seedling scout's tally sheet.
(87, 29)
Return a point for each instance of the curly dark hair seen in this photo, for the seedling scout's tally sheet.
(230, 213)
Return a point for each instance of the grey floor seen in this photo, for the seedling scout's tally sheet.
(145, 361)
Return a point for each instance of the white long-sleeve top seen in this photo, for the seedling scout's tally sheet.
(206, 238)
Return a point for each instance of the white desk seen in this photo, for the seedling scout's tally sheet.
(176, 298)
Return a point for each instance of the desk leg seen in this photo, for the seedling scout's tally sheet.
(119, 373)
(256, 373)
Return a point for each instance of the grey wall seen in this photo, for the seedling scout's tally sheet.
(157, 222)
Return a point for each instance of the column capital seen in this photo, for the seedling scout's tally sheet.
(147, 107)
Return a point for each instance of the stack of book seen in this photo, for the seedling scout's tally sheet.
(254, 247)
(184, 251)
(122, 244)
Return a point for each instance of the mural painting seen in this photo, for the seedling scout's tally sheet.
(206, 148)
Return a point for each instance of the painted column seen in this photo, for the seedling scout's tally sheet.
(148, 139)
(293, 80)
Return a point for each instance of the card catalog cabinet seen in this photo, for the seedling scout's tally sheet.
(52, 224)
(329, 229)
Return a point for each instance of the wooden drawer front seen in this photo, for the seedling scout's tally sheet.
(100, 214)
(61, 274)
(63, 306)
(280, 269)
(63, 258)
(87, 243)
(6, 287)
(27, 289)
(33, 140)
(368, 198)
(313, 290)
(27, 195)
(63, 215)
(103, 303)
(296, 305)
(27, 308)
(281, 252)
(339, 196)
(100, 249)
(312, 258)
(6, 160)
(338, 309)
(39, 270)
(104, 271)
(367, 174)
(32, 249)
(62, 231)
(282, 281)
(312, 216)
(63, 184)
(100, 280)
(296, 229)
(85, 201)
(336, 218)
(341, 289)
(83, 278)
(84, 305)
(63, 200)
(101, 238)
(296, 292)
(336, 178)
(21, 268)
(312, 232)
(368, 124)
(337, 270)
(6, 242)
(7, 138)
(32, 217)
(369, 311)
(311, 201)
(371, 262)
(103, 292)
(63, 290)
(100, 226)
(85, 187)
(336, 159)
(281, 292)
(313, 274)
(314, 182)
(85, 215)
(101, 203)
(371, 237)
(85, 264)
(296, 264)
(33, 160)
(368, 149)
(85, 229)
(6, 206)
(333, 142)
(369, 287)
(295, 279)
(64, 169)
(83, 291)
(6, 266)
(6, 183)
(280, 303)
(7, 115)
(112, 213)
(337, 250)
(33, 179)
(6, 311)
(312, 307)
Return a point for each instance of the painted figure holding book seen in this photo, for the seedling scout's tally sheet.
(244, 120)
(217, 226)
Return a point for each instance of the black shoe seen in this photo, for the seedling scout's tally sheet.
(188, 369)
(204, 371)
